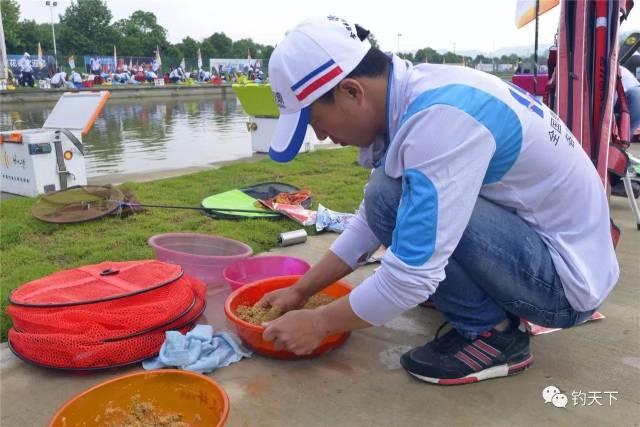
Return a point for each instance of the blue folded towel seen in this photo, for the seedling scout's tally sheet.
(200, 350)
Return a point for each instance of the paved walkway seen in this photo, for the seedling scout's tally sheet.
(362, 384)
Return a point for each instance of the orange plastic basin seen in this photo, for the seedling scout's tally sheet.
(170, 391)
(251, 334)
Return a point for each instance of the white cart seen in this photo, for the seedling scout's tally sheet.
(51, 158)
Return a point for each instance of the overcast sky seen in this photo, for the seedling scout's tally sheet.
(483, 25)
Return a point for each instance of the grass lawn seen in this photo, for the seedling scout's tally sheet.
(31, 249)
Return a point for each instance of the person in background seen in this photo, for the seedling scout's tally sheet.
(633, 64)
(26, 70)
(139, 74)
(150, 76)
(59, 80)
(519, 66)
(76, 79)
(204, 76)
(155, 67)
(176, 75)
(98, 79)
(51, 68)
(96, 65)
(216, 79)
(631, 87)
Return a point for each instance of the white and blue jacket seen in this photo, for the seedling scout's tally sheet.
(454, 134)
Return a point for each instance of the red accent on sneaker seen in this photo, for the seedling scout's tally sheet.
(486, 334)
(456, 381)
(468, 361)
(478, 355)
(486, 348)
(520, 366)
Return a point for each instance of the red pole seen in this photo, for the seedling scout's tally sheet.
(599, 69)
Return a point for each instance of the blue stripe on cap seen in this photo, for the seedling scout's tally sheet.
(296, 140)
(499, 119)
(312, 74)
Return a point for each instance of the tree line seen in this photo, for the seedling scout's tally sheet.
(86, 28)
(430, 55)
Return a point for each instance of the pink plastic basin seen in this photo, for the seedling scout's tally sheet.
(200, 255)
(253, 269)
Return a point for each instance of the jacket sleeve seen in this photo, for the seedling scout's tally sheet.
(443, 155)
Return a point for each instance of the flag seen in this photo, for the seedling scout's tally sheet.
(72, 62)
(199, 60)
(526, 10)
(40, 63)
(115, 58)
(182, 64)
(158, 55)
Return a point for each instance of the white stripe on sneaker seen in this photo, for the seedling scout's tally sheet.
(485, 374)
(492, 372)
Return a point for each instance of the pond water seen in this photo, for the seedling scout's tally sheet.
(144, 135)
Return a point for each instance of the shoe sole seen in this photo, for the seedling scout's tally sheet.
(485, 374)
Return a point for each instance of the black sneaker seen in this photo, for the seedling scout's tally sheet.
(452, 359)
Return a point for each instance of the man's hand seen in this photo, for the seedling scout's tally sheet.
(301, 331)
(283, 300)
(327, 271)
(298, 331)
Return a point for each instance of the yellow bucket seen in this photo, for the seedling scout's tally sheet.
(198, 399)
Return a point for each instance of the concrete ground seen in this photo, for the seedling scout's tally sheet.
(362, 383)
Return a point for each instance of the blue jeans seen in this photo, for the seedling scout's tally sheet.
(633, 101)
(500, 267)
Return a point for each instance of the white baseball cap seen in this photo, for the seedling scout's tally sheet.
(312, 59)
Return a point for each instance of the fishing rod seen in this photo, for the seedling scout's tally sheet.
(134, 205)
(201, 208)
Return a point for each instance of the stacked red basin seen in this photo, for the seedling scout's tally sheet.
(103, 315)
